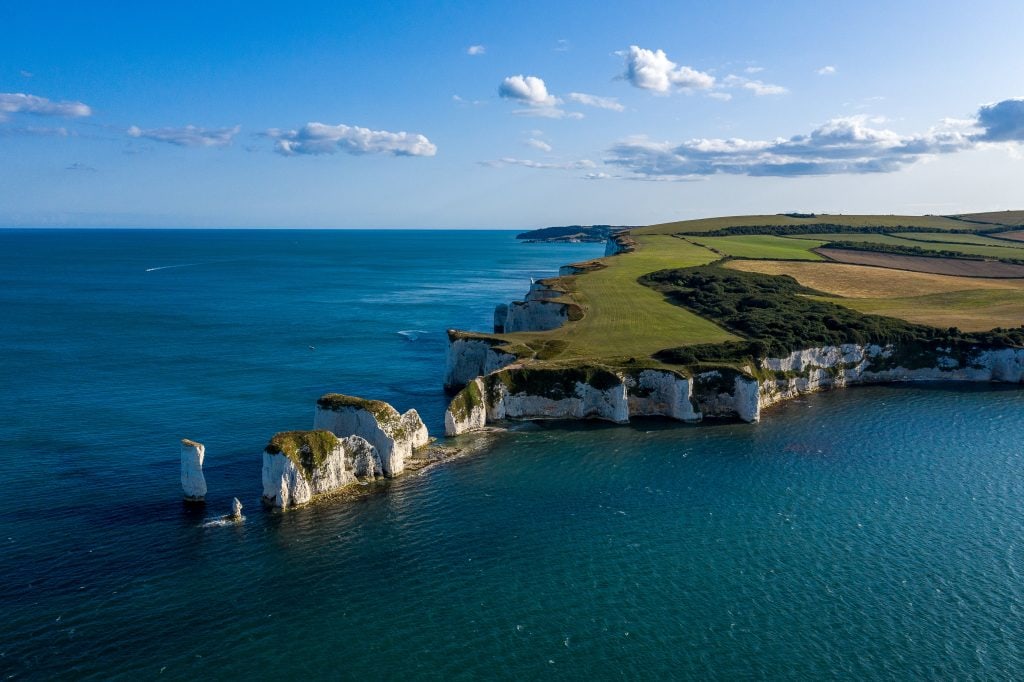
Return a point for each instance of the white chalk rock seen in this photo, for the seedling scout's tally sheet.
(236, 510)
(660, 393)
(469, 358)
(193, 483)
(393, 435)
(467, 411)
(300, 464)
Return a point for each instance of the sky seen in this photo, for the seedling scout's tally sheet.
(504, 115)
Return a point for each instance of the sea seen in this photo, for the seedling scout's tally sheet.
(872, 533)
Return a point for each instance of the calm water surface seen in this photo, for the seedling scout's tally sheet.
(871, 533)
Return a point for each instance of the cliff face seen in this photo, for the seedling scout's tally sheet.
(193, 483)
(469, 358)
(616, 396)
(300, 464)
(393, 435)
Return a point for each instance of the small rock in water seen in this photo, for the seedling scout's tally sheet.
(236, 510)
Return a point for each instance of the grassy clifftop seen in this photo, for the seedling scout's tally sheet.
(625, 324)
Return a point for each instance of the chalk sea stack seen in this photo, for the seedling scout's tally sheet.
(193, 483)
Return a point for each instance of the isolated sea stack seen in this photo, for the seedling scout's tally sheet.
(193, 483)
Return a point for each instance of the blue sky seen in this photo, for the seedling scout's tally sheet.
(504, 114)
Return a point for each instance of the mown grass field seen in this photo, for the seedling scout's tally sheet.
(762, 246)
(623, 319)
(894, 221)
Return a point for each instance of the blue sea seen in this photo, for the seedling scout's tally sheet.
(874, 533)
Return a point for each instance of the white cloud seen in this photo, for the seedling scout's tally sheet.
(826, 71)
(549, 112)
(530, 90)
(598, 176)
(653, 70)
(724, 96)
(753, 69)
(583, 164)
(476, 50)
(319, 138)
(842, 145)
(20, 103)
(538, 144)
(609, 103)
(188, 136)
(562, 45)
(759, 88)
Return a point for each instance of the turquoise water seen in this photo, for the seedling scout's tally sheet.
(868, 533)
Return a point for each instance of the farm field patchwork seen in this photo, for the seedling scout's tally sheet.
(762, 246)
(939, 266)
(947, 238)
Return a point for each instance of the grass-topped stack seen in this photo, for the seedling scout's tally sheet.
(394, 435)
(300, 464)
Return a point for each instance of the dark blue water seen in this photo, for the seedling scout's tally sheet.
(872, 533)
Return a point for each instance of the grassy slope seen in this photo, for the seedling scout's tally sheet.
(997, 217)
(762, 246)
(709, 224)
(623, 319)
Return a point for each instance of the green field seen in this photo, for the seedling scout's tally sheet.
(762, 246)
(984, 251)
(894, 221)
(623, 319)
(945, 238)
(971, 310)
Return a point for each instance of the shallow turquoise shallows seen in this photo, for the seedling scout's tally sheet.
(862, 534)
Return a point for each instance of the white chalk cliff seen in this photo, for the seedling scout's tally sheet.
(393, 435)
(193, 483)
(469, 358)
(298, 465)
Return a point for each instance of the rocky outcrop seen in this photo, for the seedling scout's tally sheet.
(470, 357)
(394, 436)
(236, 510)
(297, 465)
(467, 411)
(193, 483)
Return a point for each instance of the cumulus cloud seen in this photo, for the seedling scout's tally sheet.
(583, 164)
(609, 103)
(529, 90)
(187, 136)
(826, 71)
(20, 103)
(476, 50)
(653, 70)
(319, 138)
(1002, 121)
(538, 144)
(842, 145)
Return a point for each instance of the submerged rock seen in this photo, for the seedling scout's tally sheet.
(193, 483)
(394, 436)
(300, 464)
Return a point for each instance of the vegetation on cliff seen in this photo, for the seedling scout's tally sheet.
(308, 450)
